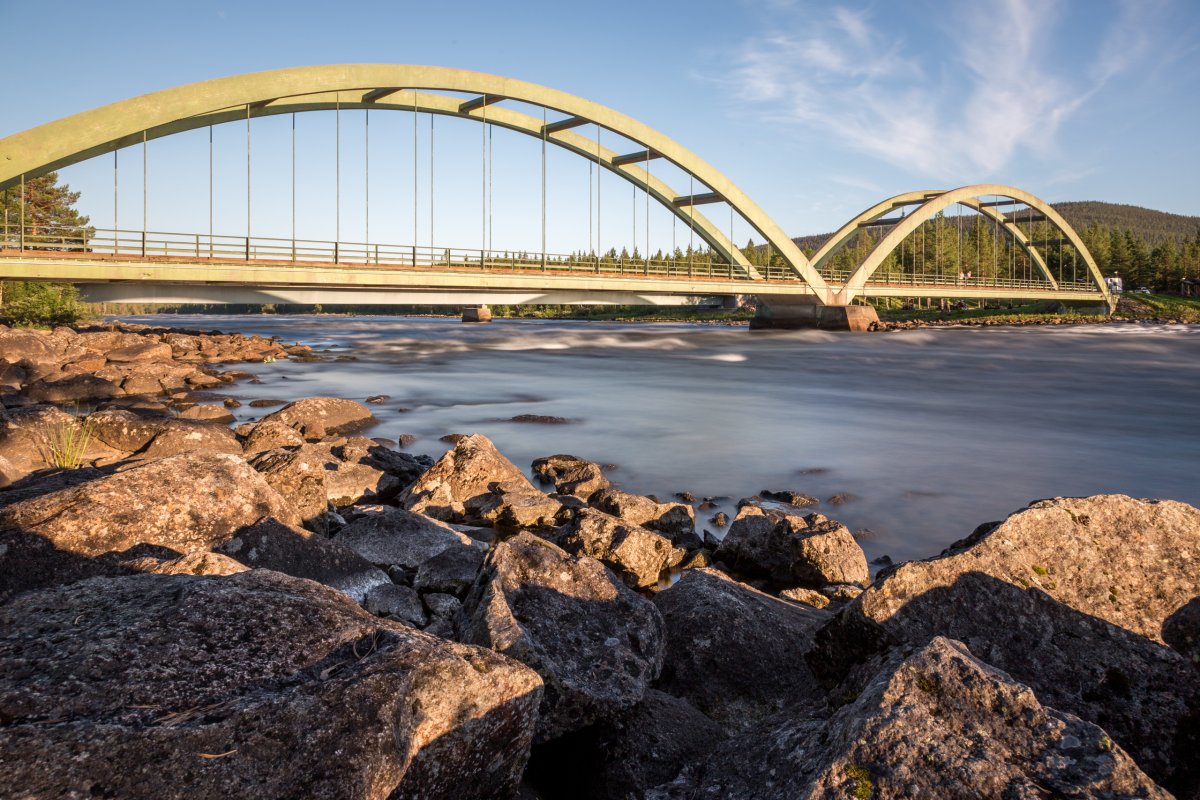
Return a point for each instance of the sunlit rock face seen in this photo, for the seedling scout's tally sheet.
(251, 685)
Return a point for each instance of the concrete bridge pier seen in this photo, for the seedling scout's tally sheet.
(794, 313)
(477, 314)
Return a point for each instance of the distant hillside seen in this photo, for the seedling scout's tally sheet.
(1153, 226)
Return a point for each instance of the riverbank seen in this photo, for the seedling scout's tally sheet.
(452, 628)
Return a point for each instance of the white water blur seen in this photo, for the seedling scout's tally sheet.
(932, 431)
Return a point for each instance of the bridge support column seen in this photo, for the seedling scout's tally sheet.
(793, 313)
(477, 314)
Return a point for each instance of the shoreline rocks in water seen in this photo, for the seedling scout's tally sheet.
(288, 608)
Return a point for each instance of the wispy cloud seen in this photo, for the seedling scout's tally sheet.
(959, 109)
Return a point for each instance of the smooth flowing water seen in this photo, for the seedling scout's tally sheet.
(930, 432)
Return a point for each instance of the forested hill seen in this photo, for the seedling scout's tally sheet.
(1154, 227)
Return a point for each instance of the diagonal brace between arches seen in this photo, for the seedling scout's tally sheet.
(844, 234)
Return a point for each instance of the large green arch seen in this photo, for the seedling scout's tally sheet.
(931, 204)
(72, 139)
(844, 234)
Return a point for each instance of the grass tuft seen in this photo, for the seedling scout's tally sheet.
(67, 441)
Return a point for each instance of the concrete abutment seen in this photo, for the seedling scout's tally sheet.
(806, 312)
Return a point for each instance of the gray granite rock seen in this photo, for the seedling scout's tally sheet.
(1069, 596)
(939, 724)
(596, 643)
(792, 550)
(393, 536)
(252, 685)
(640, 556)
(736, 653)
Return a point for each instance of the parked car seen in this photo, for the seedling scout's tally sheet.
(1141, 290)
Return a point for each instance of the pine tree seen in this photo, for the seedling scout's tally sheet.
(50, 219)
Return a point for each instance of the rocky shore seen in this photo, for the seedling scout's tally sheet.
(289, 608)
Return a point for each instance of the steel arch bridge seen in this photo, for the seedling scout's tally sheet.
(146, 265)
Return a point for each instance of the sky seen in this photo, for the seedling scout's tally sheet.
(815, 109)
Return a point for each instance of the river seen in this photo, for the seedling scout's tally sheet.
(929, 432)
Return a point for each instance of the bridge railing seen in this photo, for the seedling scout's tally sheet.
(193, 247)
(926, 279)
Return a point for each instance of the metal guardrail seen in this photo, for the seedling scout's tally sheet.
(951, 281)
(202, 246)
(168, 246)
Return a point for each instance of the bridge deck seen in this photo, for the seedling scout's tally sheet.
(517, 275)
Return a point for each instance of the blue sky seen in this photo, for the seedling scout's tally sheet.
(815, 109)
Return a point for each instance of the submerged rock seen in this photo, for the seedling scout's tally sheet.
(791, 497)
(791, 550)
(596, 643)
(939, 724)
(735, 653)
(252, 685)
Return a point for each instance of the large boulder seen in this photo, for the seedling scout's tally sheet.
(127, 430)
(404, 467)
(628, 754)
(317, 417)
(736, 653)
(451, 571)
(391, 537)
(9, 473)
(30, 346)
(269, 435)
(150, 434)
(12, 378)
(271, 544)
(640, 556)
(142, 351)
(792, 550)
(200, 563)
(355, 469)
(1069, 597)
(148, 377)
(186, 503)
(571, 475)
(1130, 562)
(26, 435)
(79, 387)
(1181, 630)
(674, 519)
(595, 642)
(252, 685)
(940, 724)
(106, 341)
(298, 474)
(511, 507)
(472, 471)
(181, 436)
